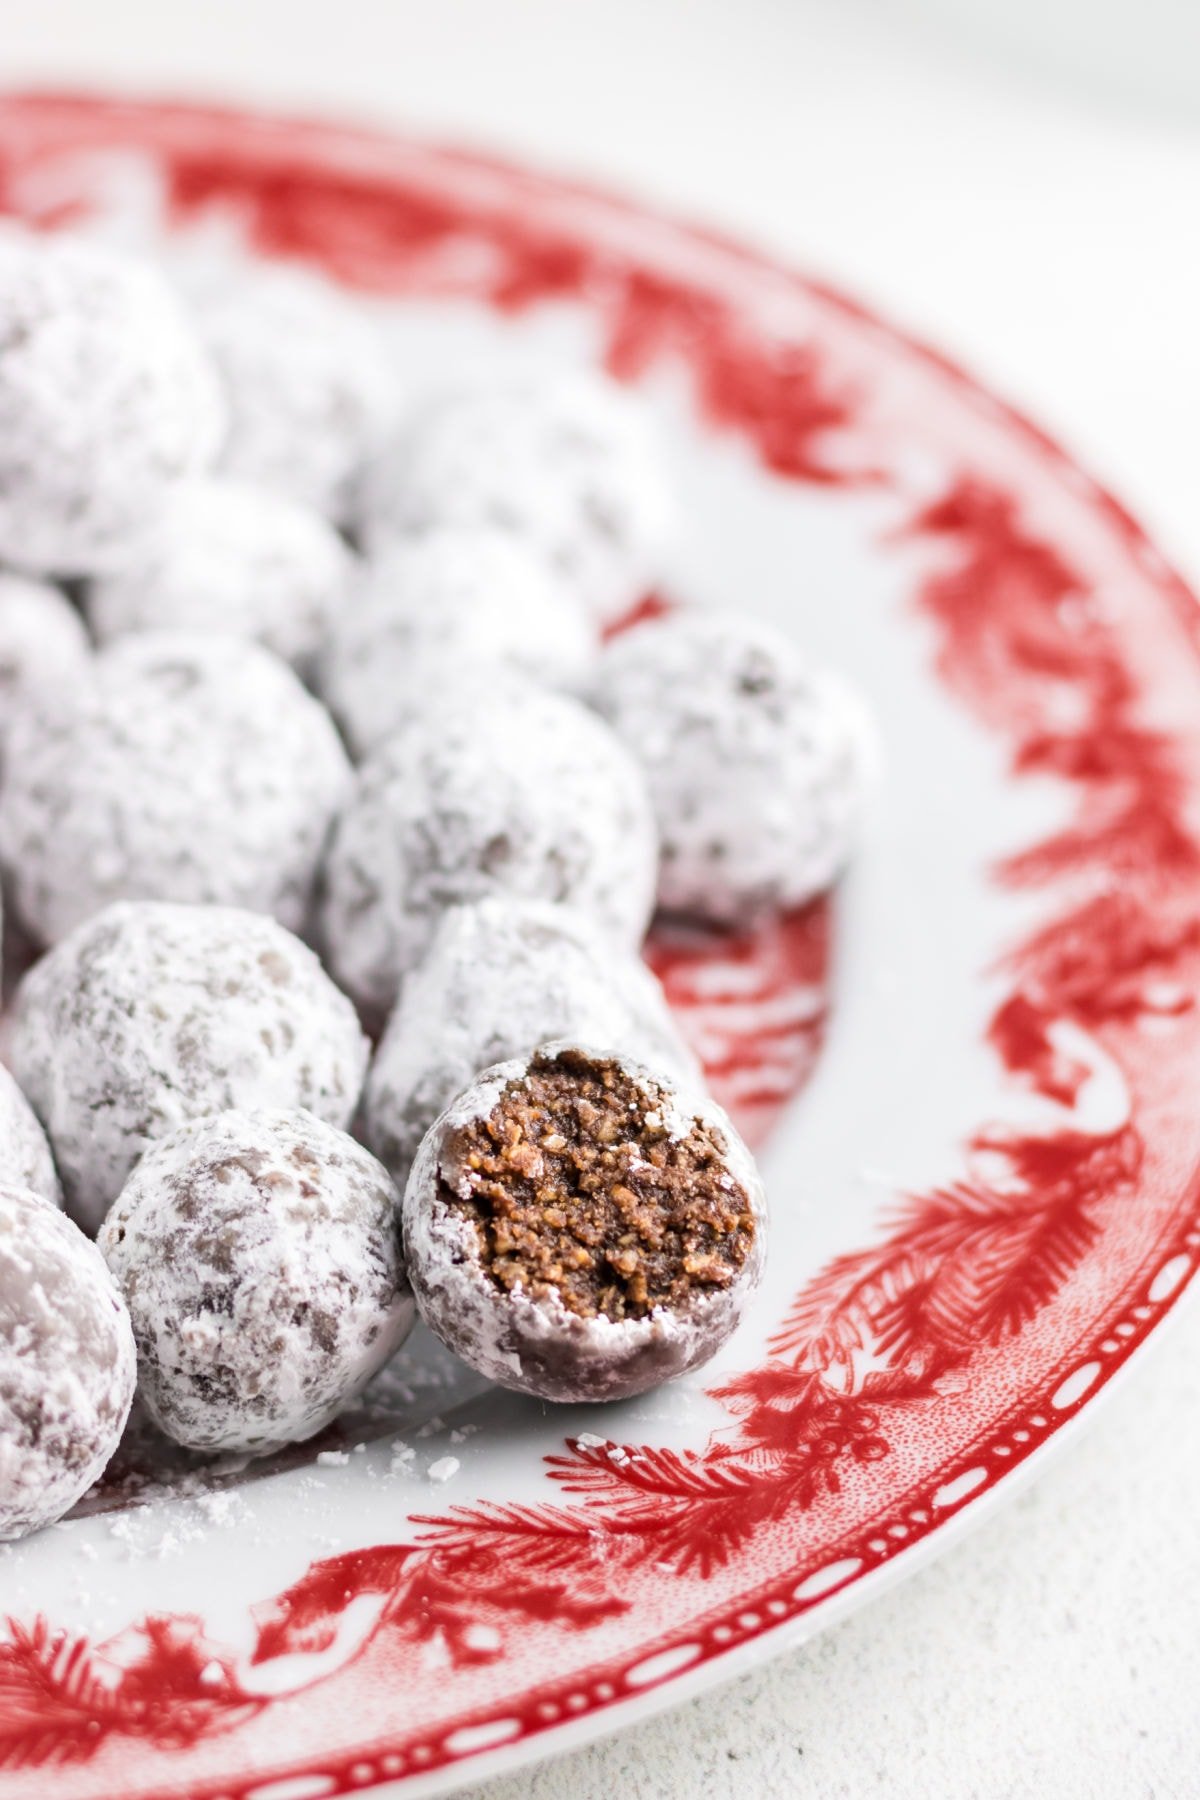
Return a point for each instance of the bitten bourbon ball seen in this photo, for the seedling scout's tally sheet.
(566, 462)
(426, 606)
(106, 400)
(260, 1256)
(149, 1015)
(757, 764)
(67, 1363)
(192, 769)
(581, 1229)
(500, 978)
(519, 792)
(229, 557)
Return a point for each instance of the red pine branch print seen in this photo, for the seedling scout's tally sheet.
(51, 1705)
(965, 1266)
(56, 1708)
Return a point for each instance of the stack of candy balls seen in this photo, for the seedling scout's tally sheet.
(333, 814)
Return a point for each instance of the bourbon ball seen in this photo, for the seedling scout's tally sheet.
(308, 383)
(428, 603)
(106, 400)
(566, 461)
(25, 1156)
(756, 762)
(229, 557)
(579, 1228)
(67, 1363)
(44, 649)
(260, 1256)
(149, 1015)
(520, 792)
(192, 769)
(500, 978)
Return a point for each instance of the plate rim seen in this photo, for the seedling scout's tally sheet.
(536, 1744)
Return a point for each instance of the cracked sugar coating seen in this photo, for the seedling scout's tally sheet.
(67, 1363)
(260, 1256)
(580, 1229)
(193, 769)
(149, 1015)
(466, 592)
(500, 978)
(519, 792)
(756, 763)
(309, 386)
(229, 557)
(44, 649)
(106, 400)
(565, 461)
(25, 1159)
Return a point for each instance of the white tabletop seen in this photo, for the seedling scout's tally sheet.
(1053, 246)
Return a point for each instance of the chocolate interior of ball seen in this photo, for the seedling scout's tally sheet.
(578, 1190)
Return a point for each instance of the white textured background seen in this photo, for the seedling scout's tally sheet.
(1052, 242)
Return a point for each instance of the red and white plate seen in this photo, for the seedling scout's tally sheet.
(985, 1198)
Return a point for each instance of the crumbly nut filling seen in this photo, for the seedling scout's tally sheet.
(579, 1191)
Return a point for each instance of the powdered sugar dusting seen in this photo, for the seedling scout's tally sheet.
(226, 556)
(309, 388)
(756, 763)
(426, 605)
(528, 795)
(260, 1257)
(44, 648)
(66, 1363)
(193, 769)
(566, 463)
(25, 1158)
(149, 1015)
(106, 399)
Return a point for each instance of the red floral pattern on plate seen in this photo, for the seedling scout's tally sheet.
(913, 1374)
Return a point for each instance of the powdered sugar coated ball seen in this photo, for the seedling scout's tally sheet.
(229, 557)
(524, 793)
(193, 769)
(260, 1256)
(44, 648)
(500, 978)
(106, 399)
(309, 386)
(25, 1159)
(581, 1228)
(757, 763)
(567, 462)
(149, 1015)
(67, 1364)
(471, 591)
